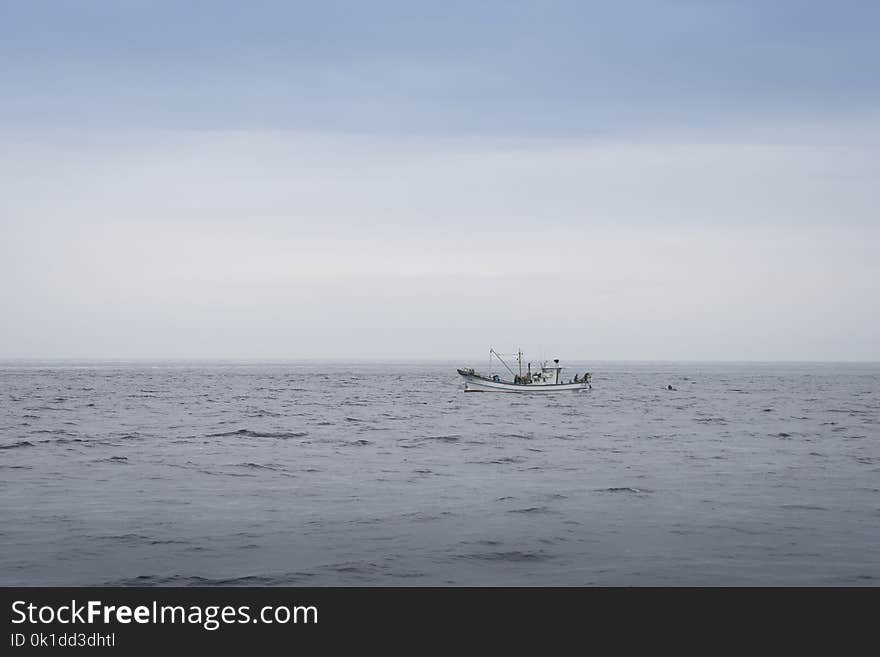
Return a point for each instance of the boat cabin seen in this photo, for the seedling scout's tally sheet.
(547, 375)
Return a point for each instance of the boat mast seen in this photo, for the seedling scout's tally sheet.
(519, 358)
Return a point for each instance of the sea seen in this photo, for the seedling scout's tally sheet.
(368, 473)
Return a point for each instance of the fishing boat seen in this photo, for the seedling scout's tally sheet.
(545, 379)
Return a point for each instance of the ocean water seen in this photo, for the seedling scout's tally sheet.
(389, 474)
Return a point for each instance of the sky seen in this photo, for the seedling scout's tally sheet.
(676, 180)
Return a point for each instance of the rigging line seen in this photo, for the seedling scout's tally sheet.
(492, 351)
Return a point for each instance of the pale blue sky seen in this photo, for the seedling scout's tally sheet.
(512, 68)
(659, 180)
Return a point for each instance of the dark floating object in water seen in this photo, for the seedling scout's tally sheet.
(669, 386)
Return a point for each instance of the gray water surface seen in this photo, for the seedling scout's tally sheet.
(369, 474)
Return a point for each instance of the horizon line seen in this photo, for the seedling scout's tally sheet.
(376, 359)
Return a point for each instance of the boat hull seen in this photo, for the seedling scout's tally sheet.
(479, 384)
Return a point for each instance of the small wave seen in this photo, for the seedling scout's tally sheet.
(504, 460)
(361, 442)
(60, 409)
(195, 580)
(248, 433)
(802, 507)
(353, 567)
(622, 489)
(194, 468)
(510, 555)
(261, 412)
(125, 538)
(421, 516)
(114, 459)
(65, 441)
(530, 509)
(444, 439)
(738, 530)
(261, 466)
(20, 443)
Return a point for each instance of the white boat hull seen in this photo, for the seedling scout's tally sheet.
(479, 384)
